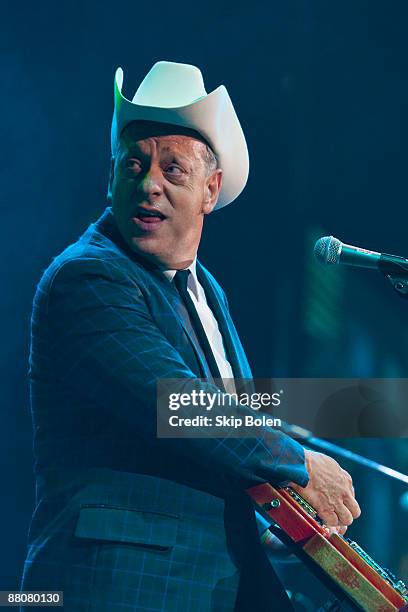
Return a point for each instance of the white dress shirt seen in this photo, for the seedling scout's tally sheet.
(207, 319)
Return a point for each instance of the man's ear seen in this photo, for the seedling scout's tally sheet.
(212, 191)
(111, 176)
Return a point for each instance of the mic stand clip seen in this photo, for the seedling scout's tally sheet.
(399, 284)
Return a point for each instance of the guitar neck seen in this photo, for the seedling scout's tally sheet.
(333, 558)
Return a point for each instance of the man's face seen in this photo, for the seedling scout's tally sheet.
(161, 189)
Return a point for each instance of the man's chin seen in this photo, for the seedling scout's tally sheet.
(148, 247)
(147, 243)
(155, 253)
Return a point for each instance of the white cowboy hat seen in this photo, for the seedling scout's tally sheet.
(174, 93)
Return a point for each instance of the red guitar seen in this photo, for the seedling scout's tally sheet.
(349, 572)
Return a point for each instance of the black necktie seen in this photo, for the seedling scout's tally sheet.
(180, 281)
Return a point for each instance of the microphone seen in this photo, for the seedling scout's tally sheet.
(329, 250)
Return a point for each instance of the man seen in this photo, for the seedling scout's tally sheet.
(124, 520)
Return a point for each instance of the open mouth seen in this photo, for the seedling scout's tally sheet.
(149, 214)
(148, 219)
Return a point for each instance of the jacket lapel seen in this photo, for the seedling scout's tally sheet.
(107, 226)
(181, 314)
(233, 347)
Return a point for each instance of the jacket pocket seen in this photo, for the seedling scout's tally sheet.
(104, 522)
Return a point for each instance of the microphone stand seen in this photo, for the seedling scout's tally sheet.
(318, 444)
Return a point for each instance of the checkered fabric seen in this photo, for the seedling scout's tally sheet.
(125, 521)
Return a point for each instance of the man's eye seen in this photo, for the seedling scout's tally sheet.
(134, 165)
(174, 169)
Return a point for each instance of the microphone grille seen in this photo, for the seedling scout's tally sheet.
(327, 250)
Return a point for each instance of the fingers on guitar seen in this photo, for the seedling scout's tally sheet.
(344, 515)
(329, 518)
(353, 506)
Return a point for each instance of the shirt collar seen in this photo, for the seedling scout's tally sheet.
(192, 279)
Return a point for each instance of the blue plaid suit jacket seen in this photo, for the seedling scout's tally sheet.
(125, 521)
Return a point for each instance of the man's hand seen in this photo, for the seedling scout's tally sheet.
(330, 491)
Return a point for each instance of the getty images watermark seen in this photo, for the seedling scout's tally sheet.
(326, 408)
(213, 401)
(192, 408)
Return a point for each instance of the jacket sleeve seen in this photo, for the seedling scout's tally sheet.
(108, 349)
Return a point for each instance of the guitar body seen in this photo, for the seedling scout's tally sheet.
(340, 563)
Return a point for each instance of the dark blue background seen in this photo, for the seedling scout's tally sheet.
(321, 90)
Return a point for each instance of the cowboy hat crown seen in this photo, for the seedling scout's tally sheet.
(174, 93)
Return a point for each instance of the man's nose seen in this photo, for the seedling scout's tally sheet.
(151, 183)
